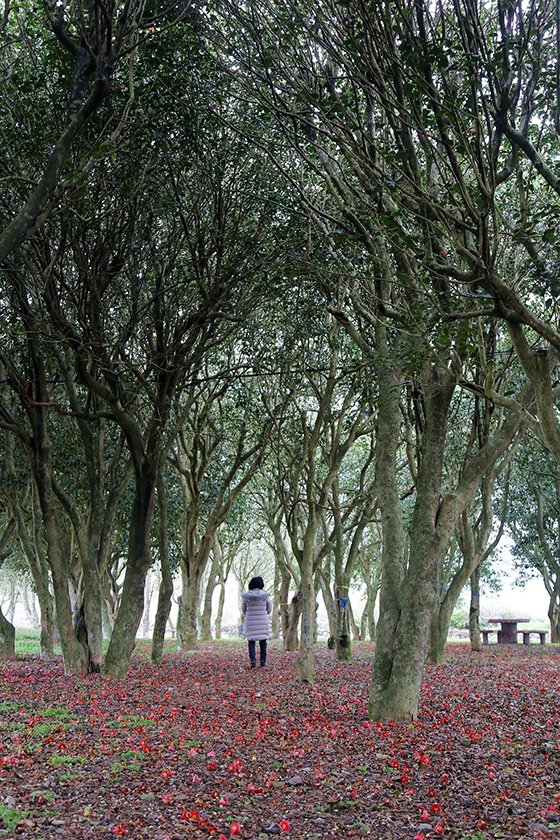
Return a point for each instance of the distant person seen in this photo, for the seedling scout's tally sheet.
(256, 606)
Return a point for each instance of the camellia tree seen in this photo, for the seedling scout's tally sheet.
(155, 260)
(533, 521)
(378, 103)
(60, 65)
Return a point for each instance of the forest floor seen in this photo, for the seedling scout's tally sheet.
(201, 747)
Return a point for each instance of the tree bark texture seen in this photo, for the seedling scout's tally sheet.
(139, 560)
(7, 638)
(474, 612)
(165, 594)
(305, 665)
(392, 552)
(291, 638)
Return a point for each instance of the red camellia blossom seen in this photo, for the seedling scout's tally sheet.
(190, 814)
(284, 825)
(234, 829)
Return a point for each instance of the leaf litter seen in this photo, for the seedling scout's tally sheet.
(201, 747)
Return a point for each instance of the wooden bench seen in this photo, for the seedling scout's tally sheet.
(527, 635)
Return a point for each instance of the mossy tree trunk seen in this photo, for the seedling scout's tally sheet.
(286, 569)
(291, 638)
(211, 584)
(139, 560)
(7, 629)
(305, 665)
(7, 638)
(474, 529)
(396, 686)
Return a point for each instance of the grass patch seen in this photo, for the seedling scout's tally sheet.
(58, 712)
(11, 817)
(132, 722)
(66, 760)
(7, 706)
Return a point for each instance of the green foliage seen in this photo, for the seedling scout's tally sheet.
(63, 760)
(11, 817)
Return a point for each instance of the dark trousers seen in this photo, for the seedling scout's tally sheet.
(253, 652)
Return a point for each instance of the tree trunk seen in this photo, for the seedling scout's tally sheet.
(220, 611)
(92, 612)
(343, 636)
(364, 620)
(291, 638)
(187, 623)
(148, 592)
(28, 601)
(305, 665)
(329, 604)
(275, 617)
(34, 552)
(213, 578)
(392, 552)
(12, 601)
(139, 559)
(283, 605)
(439, 629)
(441, 619)
(166, 584)
(554, 617)
(74, 654)
(354, 628)
(7, 638)
(396, 688)
(474, 612)
(367, 621)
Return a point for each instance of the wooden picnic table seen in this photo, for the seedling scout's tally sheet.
(507, 635)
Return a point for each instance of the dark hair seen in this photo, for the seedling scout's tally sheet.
(256, 583)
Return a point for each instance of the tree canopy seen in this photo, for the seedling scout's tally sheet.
(293, 263)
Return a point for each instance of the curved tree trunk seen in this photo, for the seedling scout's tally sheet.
(283, 605)
(213, 580)
(74, 655)
(554, 613)
(396, 687)
(31, 541)
(395, 690)
(330, 607)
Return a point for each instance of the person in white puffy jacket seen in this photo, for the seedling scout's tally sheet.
(256, 606)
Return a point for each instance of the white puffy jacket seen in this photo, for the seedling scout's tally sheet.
(256, 606)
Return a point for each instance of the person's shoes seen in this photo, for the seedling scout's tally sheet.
(263, 664)
(252, 665)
